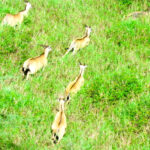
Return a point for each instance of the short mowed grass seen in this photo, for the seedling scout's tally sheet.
(112, 109)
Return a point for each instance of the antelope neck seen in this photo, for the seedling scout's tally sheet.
(87, 34)
(46, 53)
(25, 12)
(81, 72)
(61, 108)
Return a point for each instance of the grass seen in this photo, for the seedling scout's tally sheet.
(112, 109)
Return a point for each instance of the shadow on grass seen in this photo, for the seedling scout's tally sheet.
(6, 53)
(8, 145)
(3, 116)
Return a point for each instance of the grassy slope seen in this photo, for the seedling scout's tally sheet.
(112, 109)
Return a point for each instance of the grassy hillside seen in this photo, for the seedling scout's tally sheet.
(112, 109)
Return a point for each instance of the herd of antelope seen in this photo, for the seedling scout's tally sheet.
(32, 65)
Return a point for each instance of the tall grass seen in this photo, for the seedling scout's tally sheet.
(112, 109)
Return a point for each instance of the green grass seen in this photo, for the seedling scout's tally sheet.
(112, 109)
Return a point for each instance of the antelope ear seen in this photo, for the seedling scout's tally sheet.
(45, 46)
(26, 2)
(85, 25)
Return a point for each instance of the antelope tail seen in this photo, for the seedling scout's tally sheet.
(25, 71)
(56, 138)
(71, 48)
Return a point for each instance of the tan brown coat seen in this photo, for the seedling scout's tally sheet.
(75, 85)
(32, 65)
(80, 43)
(13, 20)
(59, 125)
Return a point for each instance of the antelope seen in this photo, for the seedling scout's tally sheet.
(32, 65)
(59, 125)
(13, 20)
(138, 14)
(80, 43)
(75, 85)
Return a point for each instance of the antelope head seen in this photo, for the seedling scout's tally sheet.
(82, 66)
(88, 29)
(28, 5)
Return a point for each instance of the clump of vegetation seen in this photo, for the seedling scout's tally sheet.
(126, 2)
(122, 87)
